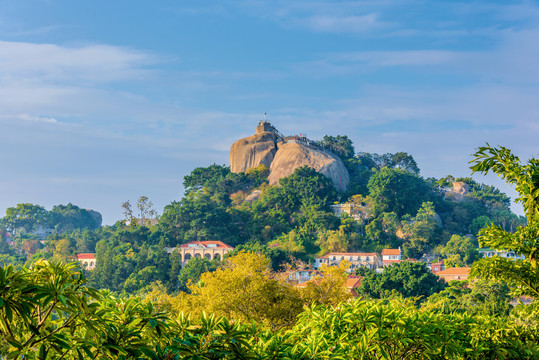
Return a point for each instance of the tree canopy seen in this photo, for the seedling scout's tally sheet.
(410, 279)
(522, 274)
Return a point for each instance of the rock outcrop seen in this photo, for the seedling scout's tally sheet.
(96, 217)
(458, 192)
(255, 195)
(283, 155)
(253, 151)
(292, 156)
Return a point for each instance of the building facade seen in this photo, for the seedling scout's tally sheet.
(486, 252)
(455, 273)
(356, 260)
(87, 260)
(391, 256)
(202, 249)
(437, 266)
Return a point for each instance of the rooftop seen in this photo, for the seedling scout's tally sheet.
(391, 252)
(206, 244)
(84, 256)
(346, 254)
(455, 271)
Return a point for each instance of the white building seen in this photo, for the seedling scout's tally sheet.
(391, 256)
(87, 260)
(356, 260)
(486, 252)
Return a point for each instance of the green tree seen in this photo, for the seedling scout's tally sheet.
(521, 274)
(400, 160)
(460, 251)
(422, 232)
(340, 145)
(397, 190)
(24, 217)
(478, 297)
(191, 272)
(70, 217)
(410, 279)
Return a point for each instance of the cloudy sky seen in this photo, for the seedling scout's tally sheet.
(104, 101)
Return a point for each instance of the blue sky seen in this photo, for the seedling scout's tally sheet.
(104, 101)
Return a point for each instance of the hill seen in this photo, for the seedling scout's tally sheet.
(284, 154)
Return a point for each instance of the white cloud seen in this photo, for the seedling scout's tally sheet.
(347, 23)
(44, 119)
(30, 62)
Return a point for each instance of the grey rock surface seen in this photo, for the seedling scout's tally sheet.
(252, 151)
(292, 155)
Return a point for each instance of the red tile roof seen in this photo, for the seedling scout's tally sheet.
(352, 283)
(391, 252)
(90, 256)
(346, 254)
(220, 244)
(455, 271)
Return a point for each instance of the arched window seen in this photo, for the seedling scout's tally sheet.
(187, 257)
(92, 264)
(207, 256)
(217, 256)
(197, 255)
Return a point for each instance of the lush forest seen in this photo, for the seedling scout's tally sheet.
(140, 303)
(289, 222)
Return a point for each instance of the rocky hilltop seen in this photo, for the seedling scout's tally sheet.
(253, 151)
(284, 154)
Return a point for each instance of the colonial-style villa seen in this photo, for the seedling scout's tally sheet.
(391, 256)
(202, 249)
(356, 260)
(87, 260)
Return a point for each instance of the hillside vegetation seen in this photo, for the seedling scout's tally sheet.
(139, 304)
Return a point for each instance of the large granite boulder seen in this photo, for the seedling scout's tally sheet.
(283, 155)
(458, 192)
(253, 151)
(293, 155)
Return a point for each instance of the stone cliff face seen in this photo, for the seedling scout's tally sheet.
(253, 151)
(291, 156)
(282, 157)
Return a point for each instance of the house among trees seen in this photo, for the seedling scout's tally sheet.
(391, 256)
(486, 252)
(87, 260)
(436, 267)
(300, 276)
(351, 209)
(455, 273)
(203, 249)
(356, 260)
(352, 283)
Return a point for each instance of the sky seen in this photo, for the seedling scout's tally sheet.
(105, 101)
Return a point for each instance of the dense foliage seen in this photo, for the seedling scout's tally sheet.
(409, 279)
(48, 312)
(522, 275)
(393, 207)
(64, 218)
